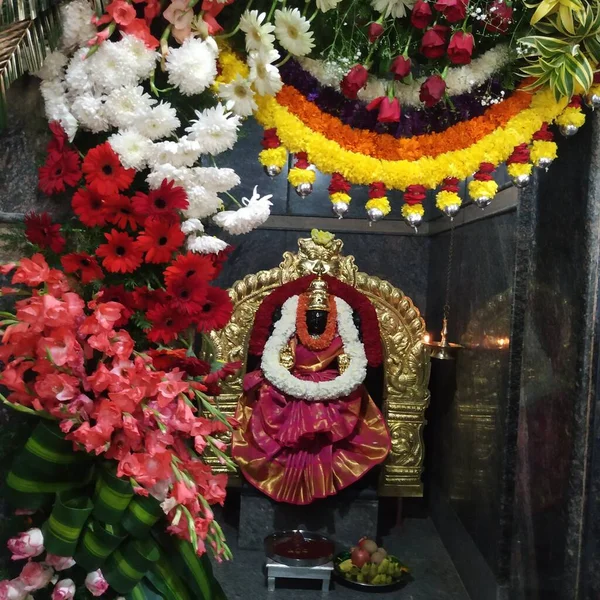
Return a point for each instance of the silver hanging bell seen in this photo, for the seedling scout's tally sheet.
(482, 201)
(544, 162)
(272, 170)
(304, 189)
(451, 210)
(339, 209)
(592, 100)
(521, 181)
(374, 215)
(568, 130)
(414, 220)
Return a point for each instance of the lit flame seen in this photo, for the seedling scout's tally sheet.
(502, 342)
(426, 338)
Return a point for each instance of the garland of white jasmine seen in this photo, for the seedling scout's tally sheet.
(339, 387)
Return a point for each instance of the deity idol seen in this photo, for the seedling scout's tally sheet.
(308, 427)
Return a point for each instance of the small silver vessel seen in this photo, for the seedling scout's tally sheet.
(298, 548)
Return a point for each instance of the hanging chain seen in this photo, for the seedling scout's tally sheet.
(449, 271)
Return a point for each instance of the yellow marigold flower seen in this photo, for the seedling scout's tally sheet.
(412, 209)
(571, 116)
(519, 169)
(297, 176)
(273, 156)
(542, 149)
(446, 198)
(482, 189)
(339, 197)
(383, 204)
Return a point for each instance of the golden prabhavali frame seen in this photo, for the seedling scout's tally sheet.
(406, 363)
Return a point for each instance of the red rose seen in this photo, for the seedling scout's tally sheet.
(400, 67)
(433, 44)
(432, 90)
(354, 81)
(374, 31)
(500, 17)
(389, 110)
(421, 15)
(460, 48)
(453, 10)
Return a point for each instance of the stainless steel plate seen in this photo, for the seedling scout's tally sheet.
(298, 548)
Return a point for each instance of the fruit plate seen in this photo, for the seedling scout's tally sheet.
(351, 578)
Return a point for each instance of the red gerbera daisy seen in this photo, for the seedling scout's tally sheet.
(40, 230)
(187, 294)
(159, 240)
(166, 324)
(190, 265)
(120, 254)
(89, 207)
(84, 264)
(104, 173)
(144, 298)
(220, 258)
(120, 212)
(166, 200)
(59, 137)
(216, 310)
(117, 293)
(60, 170)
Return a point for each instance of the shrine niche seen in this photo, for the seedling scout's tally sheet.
(402, 394)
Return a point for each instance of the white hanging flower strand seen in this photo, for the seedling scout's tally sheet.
(254, 212)
(314, 391)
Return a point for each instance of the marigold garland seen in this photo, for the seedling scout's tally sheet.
(322, 341)
(542, 149)
(297, 176)
(273, 156)
(572, 115)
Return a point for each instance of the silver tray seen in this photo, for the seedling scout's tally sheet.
(271, 542)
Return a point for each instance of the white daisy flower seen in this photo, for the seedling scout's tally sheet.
(202, 202)
(254, 212)
(215, 179)
(53, 67)
(193, 66)
(205, 244)
(127, 104)
(161, 121)
(293, 31)
(192, 226)
(111, 67)
(238, 96)
(393, 8)
(264, 75)
(89, 111)
(145, 58)
(325, 5)
(132, 148)
(215, 129)
(258, 34)
(76, 23)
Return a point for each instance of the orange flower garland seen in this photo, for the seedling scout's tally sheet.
(323, 341)
(385, 146)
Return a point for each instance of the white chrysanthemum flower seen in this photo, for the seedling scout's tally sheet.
(238, 96)
(77, 76)
(179, 176)
(127, 104)
(215, 129)
(58, 110)
(53, 90)
(132, 148)
(325, 5)
(215, 179)
(192, 226)
(255, 212)
(76, 21)
(205, 244)
(393, 8)
(161, 121)
(53, 67)
(202, 202)
(162, 153)
(112, 67)
(293, 31)
(188, 152)
(193, 66)
(259, 35)
(89, 111)
(264, 75)
(144, 57)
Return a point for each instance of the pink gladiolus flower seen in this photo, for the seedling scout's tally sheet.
(96, 583)
(180, 16)
(12, 590)
(122, 12)
(32, 271)
(35, 576)
(59, 563)
(27, 544)
(64, 590)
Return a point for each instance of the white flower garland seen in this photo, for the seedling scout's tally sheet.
(459, 80)
(284, 381)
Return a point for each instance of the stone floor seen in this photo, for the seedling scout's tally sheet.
(417, 544)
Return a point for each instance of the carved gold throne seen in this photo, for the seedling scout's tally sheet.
(406, 363)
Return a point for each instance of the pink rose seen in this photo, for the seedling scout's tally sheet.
(12, 590)
(96, 583)
(374, 31)
(421, 15)
(27, 544)
(64, 590)
(35, 576)
(389, 110)
(460, 48)
(354, 81)
(59, 563)
(400, 67)
(432, 90)
(433, 43)
(453, 10)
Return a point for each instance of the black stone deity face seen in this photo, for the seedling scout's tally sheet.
(316, 321)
